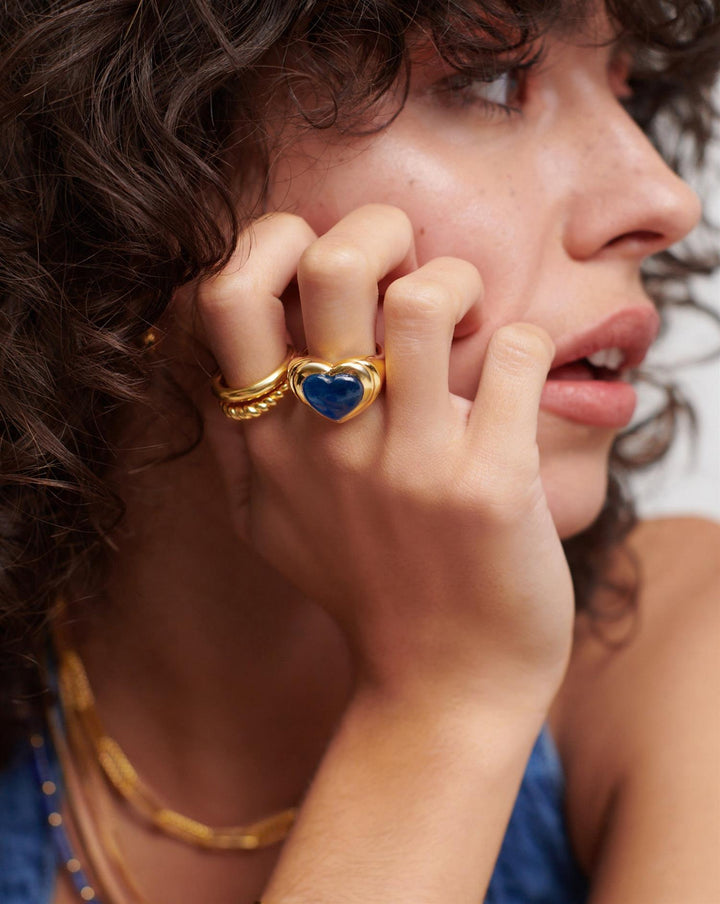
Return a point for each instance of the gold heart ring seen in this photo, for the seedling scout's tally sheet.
(340, 391)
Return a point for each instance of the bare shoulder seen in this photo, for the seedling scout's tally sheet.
(637, 722)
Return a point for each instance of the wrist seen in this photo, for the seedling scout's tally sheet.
(470, 717)
(414, 770)
(508, 693)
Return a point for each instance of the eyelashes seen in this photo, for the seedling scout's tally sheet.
(501, 95)
(498, 94)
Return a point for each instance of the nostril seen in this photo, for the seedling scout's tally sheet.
(644, 236)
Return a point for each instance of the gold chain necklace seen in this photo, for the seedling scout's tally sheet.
(90, 817)
(78, 704)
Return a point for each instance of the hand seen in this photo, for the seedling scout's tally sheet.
(421, 526)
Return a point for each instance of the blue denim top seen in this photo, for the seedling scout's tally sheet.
(535, 865)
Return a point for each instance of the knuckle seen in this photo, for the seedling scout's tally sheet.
(221, 292)
(502, 488)
(467, 272)
(288, 222)
(516, 345)
(329, 261)
(241, 275)
(418, 297)
(295, 232)
(474, 281)
(406, 482)
(502, 494)
(420, 477)
(396, 216)
(342, 458)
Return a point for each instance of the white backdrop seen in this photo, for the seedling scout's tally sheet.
(688, 480)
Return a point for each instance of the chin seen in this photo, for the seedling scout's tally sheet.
(575, 479)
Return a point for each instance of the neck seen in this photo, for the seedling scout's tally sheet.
(221, 682)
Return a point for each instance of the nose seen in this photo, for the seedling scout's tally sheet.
(626, 202)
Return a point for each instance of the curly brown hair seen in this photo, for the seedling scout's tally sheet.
(117, 122)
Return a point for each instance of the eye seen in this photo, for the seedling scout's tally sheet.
(500, 95)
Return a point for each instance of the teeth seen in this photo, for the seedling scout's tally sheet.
(611, 358)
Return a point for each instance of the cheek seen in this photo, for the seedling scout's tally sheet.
(461, 204)
(476, 209)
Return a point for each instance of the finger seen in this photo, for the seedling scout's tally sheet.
(421, 311)
(241, 307)
(338, 277)
(504, 414)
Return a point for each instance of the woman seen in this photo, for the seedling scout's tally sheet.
(349, 594)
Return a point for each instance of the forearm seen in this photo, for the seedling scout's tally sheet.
(410, 804)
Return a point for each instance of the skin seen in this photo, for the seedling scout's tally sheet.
(408, 636)
(570, 181)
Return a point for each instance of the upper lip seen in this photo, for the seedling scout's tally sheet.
(632, 330)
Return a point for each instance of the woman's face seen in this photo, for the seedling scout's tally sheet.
(556, 204)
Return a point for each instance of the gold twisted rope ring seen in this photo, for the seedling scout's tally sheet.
(257, 399)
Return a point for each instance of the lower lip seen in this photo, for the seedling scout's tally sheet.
(601, 403)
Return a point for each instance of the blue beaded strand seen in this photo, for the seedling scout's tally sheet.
(52, 807)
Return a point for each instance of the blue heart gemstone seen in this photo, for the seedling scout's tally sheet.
(333, 395)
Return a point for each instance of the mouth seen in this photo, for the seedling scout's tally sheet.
(605, 365)
(588, 381)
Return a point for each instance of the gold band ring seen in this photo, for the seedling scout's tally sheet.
(337, 391)
(258, 398)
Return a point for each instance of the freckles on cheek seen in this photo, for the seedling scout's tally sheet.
(466, 208)
(461, 205)
(427, 186)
